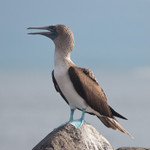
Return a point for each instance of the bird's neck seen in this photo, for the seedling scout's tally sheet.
(62, 57)
(63, 49)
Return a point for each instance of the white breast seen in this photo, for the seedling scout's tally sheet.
(66, 86)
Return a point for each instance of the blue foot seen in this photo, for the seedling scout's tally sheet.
(77, 123)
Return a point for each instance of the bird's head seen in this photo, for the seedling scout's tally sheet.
(61, 35)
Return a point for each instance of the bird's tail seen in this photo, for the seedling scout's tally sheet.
(112, 123)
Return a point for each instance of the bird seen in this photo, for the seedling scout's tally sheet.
(77, 85)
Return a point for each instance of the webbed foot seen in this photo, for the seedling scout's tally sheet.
(77, 123)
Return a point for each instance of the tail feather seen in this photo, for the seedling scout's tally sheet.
(117, 114)
(112, 123)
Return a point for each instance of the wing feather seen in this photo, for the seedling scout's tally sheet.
(88, 88)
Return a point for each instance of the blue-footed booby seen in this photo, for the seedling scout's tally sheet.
(78, 86)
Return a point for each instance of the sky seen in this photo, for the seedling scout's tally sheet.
(112, 38)
(113, 33)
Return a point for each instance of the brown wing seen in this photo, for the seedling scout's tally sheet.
(57, 87)
(88, 88)
(89, 74)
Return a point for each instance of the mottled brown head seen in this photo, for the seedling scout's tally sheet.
(61, 35)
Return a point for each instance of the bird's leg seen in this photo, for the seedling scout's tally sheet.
(71, 115)
(78, 123)
(83, 114)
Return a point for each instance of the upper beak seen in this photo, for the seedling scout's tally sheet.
(41, 28)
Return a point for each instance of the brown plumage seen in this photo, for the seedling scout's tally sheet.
(87, 87)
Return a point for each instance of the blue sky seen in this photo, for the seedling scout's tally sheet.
(112, 38)
(114, 33)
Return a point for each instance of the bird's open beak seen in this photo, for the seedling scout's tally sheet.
(50, 33)
(40, 28)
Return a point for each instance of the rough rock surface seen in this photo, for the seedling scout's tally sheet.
(69, 138)
(133, 148)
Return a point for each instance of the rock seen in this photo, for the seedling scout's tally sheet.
(68, 137)
(133, 148)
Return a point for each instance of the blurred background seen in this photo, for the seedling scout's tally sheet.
(112, 38)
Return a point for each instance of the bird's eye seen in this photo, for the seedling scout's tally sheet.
(52, 28)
